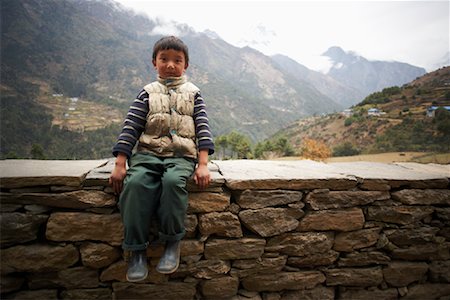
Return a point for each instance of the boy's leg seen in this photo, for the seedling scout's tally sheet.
(137, 203)
(139, 199)
(174, 198)
(172, 211)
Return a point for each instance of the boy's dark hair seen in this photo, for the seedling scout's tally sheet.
(171, 42)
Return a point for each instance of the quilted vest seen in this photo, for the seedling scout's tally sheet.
(170, 129)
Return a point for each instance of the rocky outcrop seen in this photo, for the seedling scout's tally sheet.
(262, 230)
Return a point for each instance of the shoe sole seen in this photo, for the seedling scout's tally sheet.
(170, 271)
(137, 280)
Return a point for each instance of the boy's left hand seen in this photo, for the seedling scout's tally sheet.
(201, 176)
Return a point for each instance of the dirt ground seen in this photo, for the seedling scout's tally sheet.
(396, 157)
(420, 157)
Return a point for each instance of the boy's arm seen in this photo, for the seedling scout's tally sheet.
(134, 124)
(118, 173)
(205, 142)
(202, 130)
(201, 175)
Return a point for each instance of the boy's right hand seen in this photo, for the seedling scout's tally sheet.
(118, 174)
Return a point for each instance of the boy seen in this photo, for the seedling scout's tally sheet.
(169, 120)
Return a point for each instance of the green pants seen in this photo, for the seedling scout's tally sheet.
(154, 186)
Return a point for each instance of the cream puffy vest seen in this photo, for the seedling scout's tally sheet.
(170, 129)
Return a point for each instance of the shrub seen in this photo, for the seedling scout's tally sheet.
(316, 150)
(348, 122)
(345, 149)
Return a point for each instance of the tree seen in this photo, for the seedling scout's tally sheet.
(234, 145)
(240, 145)
(274, 148)
(221, 143)
(37, 152)
(284, 147)
(442, 122)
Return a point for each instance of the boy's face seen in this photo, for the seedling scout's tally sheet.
(170, 63)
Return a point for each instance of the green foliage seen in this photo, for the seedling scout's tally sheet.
(11, 155)
(348, 121)
(345, 149)
(447, 96)
(413, 135)
(237, 145)
(442, 122)
(233, 145)
(381, 97)
(359, 115)
(279, 146)
(37, 152)
(282, 145)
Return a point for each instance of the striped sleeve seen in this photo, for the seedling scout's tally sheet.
(133, 126)
(202, 130)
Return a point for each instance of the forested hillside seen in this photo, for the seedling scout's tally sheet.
(413, 117)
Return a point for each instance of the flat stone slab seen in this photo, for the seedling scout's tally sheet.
(305, 174)
(439, 170)
(282, 174)
(17, 173)
(100, 177)
(394, 171)
(237, 174)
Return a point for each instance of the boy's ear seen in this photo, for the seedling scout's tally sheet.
(154, 63)
(186, 66)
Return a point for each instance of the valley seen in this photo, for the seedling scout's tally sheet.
(97, 56)
(78, 115)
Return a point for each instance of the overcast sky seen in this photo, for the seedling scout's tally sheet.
(415, 32)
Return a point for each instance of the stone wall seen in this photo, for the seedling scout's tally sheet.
(262, 230)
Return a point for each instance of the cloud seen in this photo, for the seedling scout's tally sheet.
(166, 28)
(261, 35)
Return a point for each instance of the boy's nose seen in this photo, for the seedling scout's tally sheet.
(170, 65)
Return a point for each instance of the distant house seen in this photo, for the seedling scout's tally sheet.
(432, 110)
(373, 112)
(348, 112)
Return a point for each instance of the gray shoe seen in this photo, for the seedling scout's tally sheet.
(170, 260)
(137, 266)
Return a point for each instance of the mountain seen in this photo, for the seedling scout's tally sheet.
(80, 48)
(247, 91)
(402, 121)
(344, 95)
(368, 76)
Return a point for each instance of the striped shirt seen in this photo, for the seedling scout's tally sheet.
(136, 119)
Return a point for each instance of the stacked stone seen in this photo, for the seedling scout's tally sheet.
(262, 230)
